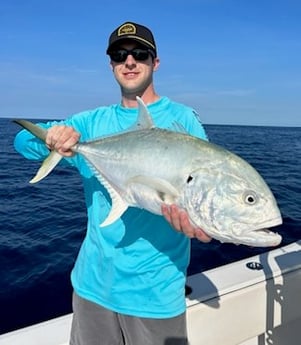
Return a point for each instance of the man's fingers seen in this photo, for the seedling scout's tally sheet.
(175, 218)
(179, 220)
(61, 139)
(185, 224)
(202, 236)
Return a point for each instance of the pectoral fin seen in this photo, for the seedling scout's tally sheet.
(164, 190)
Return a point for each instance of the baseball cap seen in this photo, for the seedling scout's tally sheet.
(132, 31)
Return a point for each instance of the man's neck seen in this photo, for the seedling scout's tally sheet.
(148, 96)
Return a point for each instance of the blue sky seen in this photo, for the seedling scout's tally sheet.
(234, 61)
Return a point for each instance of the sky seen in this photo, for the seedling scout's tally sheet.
(233, 61)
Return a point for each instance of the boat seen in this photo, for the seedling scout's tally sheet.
(254, 301)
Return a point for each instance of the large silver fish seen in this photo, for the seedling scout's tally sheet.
(147, 166)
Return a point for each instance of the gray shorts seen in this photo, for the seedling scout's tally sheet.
(95, 325)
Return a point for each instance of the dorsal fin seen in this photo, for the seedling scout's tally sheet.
(144, 120)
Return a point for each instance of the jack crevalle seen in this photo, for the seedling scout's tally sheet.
(147, 166)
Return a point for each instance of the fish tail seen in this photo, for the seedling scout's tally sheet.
(47, 166)
(35, 130)
(51, 161)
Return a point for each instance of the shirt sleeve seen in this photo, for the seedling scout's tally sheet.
(31, 147)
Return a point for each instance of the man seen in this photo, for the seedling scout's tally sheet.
(129, 277)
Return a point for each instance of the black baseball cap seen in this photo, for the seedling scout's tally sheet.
(132, 31)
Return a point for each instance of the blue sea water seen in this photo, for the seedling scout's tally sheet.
(42, 225)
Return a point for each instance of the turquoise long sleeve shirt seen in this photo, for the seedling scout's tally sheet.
(137, 265)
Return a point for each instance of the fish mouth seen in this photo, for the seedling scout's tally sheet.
(265, 235)
(264, 227)
(264, 231)
(258, 235)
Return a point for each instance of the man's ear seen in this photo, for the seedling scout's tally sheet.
(156, 64)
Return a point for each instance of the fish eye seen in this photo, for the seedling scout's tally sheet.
(250, 198)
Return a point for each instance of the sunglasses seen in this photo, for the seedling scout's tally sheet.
(138, 54)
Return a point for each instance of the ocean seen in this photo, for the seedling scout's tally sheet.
(43, 225)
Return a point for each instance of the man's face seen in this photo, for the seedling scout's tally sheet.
(135, 73)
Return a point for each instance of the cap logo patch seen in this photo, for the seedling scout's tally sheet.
(127, 29)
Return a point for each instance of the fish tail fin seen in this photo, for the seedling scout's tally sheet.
(35, 130)
(47, 166)
(54, 157)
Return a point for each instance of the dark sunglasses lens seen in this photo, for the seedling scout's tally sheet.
(120, 55)
(140, 54)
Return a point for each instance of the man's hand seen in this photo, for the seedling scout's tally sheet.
(61, 139)
(179, 220)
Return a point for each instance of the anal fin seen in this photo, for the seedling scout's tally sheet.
(119, 206)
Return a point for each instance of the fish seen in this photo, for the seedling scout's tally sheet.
(147, 166)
